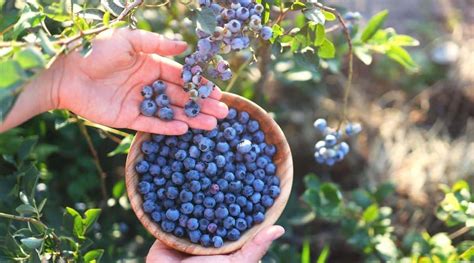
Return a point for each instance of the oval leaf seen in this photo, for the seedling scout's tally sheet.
(206, 20)
(374, 24)
(32, 242)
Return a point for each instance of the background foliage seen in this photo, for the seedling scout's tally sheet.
(54, 188)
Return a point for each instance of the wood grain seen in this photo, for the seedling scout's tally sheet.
(282, 159)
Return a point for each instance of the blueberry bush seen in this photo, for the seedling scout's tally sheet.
(64, 199)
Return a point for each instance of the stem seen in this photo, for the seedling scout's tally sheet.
(459, 232)
(263, 63)
(29, 220)
(102, 174)
(237, 74)
(350, 73)
(105, 128)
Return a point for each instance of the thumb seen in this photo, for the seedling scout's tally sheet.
(254, 250)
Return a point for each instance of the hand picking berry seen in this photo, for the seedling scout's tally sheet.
(156, 102)
(332, 148)
(209, 186)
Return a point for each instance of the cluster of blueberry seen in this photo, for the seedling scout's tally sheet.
(209, 186)
(237, 21)
(156, 102)
(331, 148)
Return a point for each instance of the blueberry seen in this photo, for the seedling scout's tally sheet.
(234, 209)
(205, 240)
(259, 137)
(159, 181)
(162, 100)
(235, 186)
(166, 171)
(172, 192)
(244, 117)
(178, 231)
(148, 107)
(195, 186)
(151, 196)
(247, 191)
(330, 139)
(154, 170)
(212, 227)
(168, 226)
(219, 197)
(177, 166)
(161, 161)
(220, 161)
(274, 191)
(244, 146)
(258, 185)
(192, 175)
(180, 155)
(164, 151)
(250, 157)
(221, 231)
(198, 211)
(267, 201)
(239, 128)
(353, 129)
(256, 197)
(192, 224)
(207, 157)
(233, 234)
(166, 113)
(241, 200)
(203, 223)
(217, 241)
(249, 178)
(198, 198)
(232, 114)
(241, 224)
(142, 167)
(229, 176)
(194, 151)
(177, 178)
(194, 236)
(185, 196)
(157, 137)
(205, 144)
(211, 169)
(223, 184)
(144, 187)
(258, 217)
(209, 202)
(183, 220)
(187, 208)
(191, 109)
(229, 222)
(221, 212)
(266, 33)
(253, 126)
(209, 213)
(156, 216)
(159, 87)
(147, 92)
(189, 163)
(230, 133)
(270, 150)
(205, 183)
(149, 206)
(270, 169)
(161, 193)
(172, 214)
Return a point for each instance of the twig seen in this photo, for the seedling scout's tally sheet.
(347, 35)
(94, 31)
(102, 174)
(157, 5)
(237, 74)
(459, 232)
(29, 220)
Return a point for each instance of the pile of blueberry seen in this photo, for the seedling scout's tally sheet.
(209, 186)
(156, 102)
(332, 148)
(237, 22)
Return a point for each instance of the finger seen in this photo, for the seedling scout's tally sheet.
(254, 250)
(149, 42)
(201, 121)
(161, 253)
(157, 126)
(209, 105)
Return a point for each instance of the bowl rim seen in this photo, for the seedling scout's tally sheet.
(183, 245)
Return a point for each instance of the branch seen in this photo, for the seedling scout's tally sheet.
(459, 232)
(29, 220)
(102, 174)
(347, 35)
(237, 74)
(93, 31)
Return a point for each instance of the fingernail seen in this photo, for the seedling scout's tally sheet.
(276, 232)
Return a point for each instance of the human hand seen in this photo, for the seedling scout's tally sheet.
(104, 87)
(251, 252)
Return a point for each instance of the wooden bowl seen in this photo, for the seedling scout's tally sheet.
(282, 159)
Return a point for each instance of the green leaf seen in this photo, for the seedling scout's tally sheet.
(327, 49)
(277, 32)
(119, 189)
(312, 181)
(30, 58)
(401, 56)
(206, 20)
(106, 18)
(306, 252)
(25, 209)
(403, 40)
(29, 180)
(28, 19)
(91, 14)
(297, 5)
(32, 242)
(320, 35)
(323, 257)
(374, 24)
(12, 75)
(329, 16)
(363, 54)
(86, 48)
(386, 247)
(24, 198)
(27, 147)
(78, 227)
(468, 254)
(123, 147)
(470, 223)
(460, 185)
(383, 191)
(93, 255)
(115, 7)
(315, 14)
(46, 44)
(91, 216)
(371, 213)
